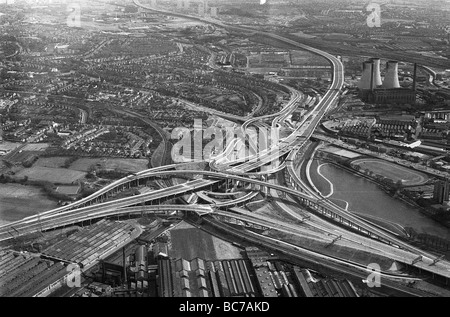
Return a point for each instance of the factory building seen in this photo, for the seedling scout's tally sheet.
(201, 278)
(373, 90)
(397, 96)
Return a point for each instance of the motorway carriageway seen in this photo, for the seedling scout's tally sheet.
(22, 226)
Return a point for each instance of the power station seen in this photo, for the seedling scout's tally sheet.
(373, 89)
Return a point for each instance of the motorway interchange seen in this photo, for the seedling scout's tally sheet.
(339, 227)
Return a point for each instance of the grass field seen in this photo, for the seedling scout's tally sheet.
(19, 157)
(54, 175)
(35, 147)
(19, 201)
(395, 172)
(125, 165)
(189, 242)
(8, 146)
(53, 162)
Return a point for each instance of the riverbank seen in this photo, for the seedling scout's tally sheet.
(372, 200)
(389, 190)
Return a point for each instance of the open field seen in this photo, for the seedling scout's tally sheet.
(8, 146)
(54, 175)
(125, 165)
(19, 201)
(35, 147)
(53, 162)
(189, 242)
(395, 172)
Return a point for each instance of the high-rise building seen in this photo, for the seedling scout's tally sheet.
(441, 191)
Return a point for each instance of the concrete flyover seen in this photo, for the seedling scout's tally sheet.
(71, 218)
(304, 254)
(54, 220)
(194, 185)
(116, 208)
(104, 192)
(229, 203)
(329, 210)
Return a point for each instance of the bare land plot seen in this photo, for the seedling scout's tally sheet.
(189, 242)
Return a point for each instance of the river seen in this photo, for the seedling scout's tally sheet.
(363, 196)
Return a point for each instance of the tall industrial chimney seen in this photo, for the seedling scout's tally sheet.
(391, 77)
(366, 78)
(415, 77)
(376, 72)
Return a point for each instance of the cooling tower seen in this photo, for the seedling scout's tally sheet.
(376, 72)
(391, 77)
(366, 78)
